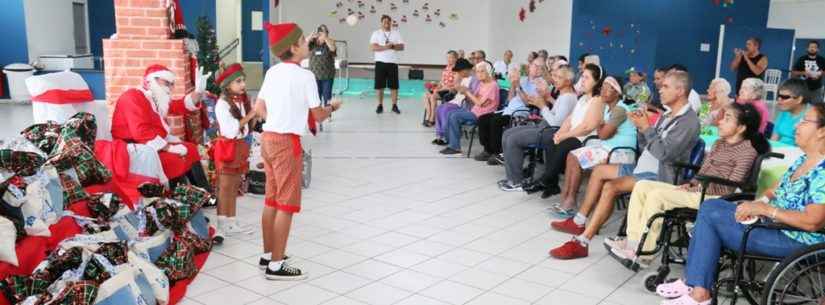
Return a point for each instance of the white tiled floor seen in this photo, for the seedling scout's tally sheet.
(387, 220)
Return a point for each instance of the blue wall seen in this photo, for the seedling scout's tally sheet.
(265, 39)
(776, 45)
(13, 22)
(676, 27)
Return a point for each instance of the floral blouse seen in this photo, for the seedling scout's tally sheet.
(794, 195)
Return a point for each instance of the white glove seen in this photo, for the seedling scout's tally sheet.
(200, 80)
(172, 139)
(178, 149)
(157, 143)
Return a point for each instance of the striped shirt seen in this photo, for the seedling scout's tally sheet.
(728, 161)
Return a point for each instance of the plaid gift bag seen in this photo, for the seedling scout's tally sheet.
(82, 126)
(160, 214)
(76, 293)
(20, 162)
(44, 136)
(72, 190)
(152, 190)
(177, 125)
(58, 263)
(177, 262)
(104, 206)
(116, 253)
(200, 245)
(96, 272)
(74, 154)
(193, 196)
(17, 288)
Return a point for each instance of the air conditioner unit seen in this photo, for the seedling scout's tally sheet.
(67, 62)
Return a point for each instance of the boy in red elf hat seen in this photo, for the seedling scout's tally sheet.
(288, 96)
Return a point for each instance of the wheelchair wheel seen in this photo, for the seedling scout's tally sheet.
(799, 279)
(652, 280)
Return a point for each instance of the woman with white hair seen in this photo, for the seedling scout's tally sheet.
(719, 98)
(751, 93)
(483, 100)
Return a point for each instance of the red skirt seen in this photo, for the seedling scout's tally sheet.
(239, 165)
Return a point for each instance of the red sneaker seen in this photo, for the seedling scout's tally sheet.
(567, 226)
(570, 250)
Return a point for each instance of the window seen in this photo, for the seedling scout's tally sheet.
(81, 41)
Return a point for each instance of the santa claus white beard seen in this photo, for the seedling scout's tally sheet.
(161, 96)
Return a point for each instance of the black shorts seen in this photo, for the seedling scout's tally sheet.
(386, 75)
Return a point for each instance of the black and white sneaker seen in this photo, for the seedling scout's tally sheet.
(495, 160)
(379, 109)
(286, 273)
(511, 187)
(263, 263)
(395, 109)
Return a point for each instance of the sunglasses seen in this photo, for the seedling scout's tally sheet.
(785, 97)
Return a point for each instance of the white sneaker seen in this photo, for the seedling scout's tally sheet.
(235, 228)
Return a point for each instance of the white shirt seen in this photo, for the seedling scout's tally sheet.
(694, 100)
(289, 92)
(504, 68)
(382, 38)
(229, 125)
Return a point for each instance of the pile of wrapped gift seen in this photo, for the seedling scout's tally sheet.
(60, 243)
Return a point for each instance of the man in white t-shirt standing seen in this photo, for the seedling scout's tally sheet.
(386, 43)
(289, 101)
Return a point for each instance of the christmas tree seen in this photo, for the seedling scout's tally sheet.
(208, 53)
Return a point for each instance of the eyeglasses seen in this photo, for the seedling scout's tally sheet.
(803, 121)
(785, 97)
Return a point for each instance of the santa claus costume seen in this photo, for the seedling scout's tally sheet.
(140, 117)
(230, 150)
(288, 96)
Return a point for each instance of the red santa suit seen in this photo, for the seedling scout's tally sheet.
(138, 119)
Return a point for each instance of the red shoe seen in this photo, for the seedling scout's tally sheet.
(567, 226)
(570, 250)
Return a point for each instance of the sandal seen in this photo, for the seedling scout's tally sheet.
(557, 211)
(684, 300)
(672, 290)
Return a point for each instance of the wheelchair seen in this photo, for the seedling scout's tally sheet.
(674, 238)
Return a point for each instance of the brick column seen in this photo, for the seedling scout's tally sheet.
(143, 39)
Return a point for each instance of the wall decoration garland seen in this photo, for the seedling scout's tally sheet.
(353, 11)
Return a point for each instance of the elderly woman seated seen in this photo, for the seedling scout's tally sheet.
(797, 201)
(719, 98)
(751, 93)
(730, 158)
(791, 102)
(614, 131)
(483, 100)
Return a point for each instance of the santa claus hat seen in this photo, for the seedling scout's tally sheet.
(282, 36)
(229, 74)
(159, 71)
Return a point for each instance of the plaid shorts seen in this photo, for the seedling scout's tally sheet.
(283, 165)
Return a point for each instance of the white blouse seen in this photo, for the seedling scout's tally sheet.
(229, 125)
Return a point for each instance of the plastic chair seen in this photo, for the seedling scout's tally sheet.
(772, 80)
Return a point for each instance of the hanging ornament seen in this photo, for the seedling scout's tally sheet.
(428, 19)
(632, 51)
(437, 12)
(611, 44)
(360, 4)
(339, 4)
(379, 1)
(393, 7)
(416, 13)
(342, 20)
(350, 11)
(522, 14)
(581, 44)
(361, 16)
(606, 31)
(395, 24)
(593, 27)
(352, 20)
(404, 18)
(621, 46)
(442, 24)
(632, 25)
(426, 6)
(405, 1)
(532, 6)
(453, 16)
(372, 9)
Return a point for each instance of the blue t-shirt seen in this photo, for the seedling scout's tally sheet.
(516, 103)
(625, 133)
(785, 127)
(794, 195)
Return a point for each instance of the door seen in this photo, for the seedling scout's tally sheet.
(251, 44)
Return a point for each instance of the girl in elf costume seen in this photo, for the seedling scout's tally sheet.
(234, 114)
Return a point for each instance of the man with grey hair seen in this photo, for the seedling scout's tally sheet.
(670, 140)
(504, 65)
